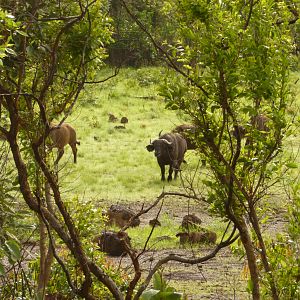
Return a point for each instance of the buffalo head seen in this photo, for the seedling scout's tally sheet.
(160, 146)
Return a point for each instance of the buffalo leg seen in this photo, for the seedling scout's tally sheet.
(170, 173)
(176, 168)
(176, 172)
(162, 169)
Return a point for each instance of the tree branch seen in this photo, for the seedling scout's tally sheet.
(173, 257)
(160, 50)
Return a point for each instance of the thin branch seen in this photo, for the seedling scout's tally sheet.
(186, 196)
(152, 230)
(162, 51)
(249, 15)
(51, 242)
(192, 261)
(116, 72)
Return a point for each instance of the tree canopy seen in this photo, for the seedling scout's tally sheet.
(234, 60)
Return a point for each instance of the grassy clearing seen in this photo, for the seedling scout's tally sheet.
(113, 164)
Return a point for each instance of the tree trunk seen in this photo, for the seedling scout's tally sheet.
(46, 255)
(42, 244)
(251, 258)
(263, 252)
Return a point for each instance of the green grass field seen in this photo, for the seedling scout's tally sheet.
(113, 164)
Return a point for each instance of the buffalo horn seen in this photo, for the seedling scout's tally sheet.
(166, 141)
(159, 135)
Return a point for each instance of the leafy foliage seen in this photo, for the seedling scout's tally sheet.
(284, 251)
(10, 215)
(161, 291)
(234, 59)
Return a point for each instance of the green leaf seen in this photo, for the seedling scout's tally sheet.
(14, 249)
(170, 295)
(292, 165)
(250, 286)
(243, 160)
(149, 294)
(158, 282)
(11, 51)
(170, 289)
(2, 270)
(22, 33)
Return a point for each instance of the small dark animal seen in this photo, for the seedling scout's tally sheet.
(121, 216)
(190, 221)
(154, 222)
(197, 237)
(169, 149)
(119, 127)
(61, 136)
(124, 121)
(187, 130)
(112, 118)
(112, 242)
(259, 122)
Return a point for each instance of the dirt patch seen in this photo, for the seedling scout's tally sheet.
(223, 277)
(219, 278)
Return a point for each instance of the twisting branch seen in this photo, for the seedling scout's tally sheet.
(53, 60)
(51, 242)
(249, 15)
(293, 9)
(151, 232)
(160, 50)
(173, 257)
(116, 72)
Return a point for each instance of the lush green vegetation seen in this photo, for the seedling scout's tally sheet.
(113, 163)
(229, 74)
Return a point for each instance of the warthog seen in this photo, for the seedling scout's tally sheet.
(197, 237)
(190, 221)
(121, 216)
(112, 242)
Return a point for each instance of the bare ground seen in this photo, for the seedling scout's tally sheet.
(223, 277)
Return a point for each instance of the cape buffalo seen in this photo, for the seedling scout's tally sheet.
(169, 149)
(259, 122)
(186, 130)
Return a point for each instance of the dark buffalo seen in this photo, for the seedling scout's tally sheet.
(113, 243)
(187, 130)
(169, 149)
(259, 122)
